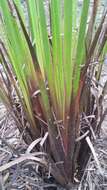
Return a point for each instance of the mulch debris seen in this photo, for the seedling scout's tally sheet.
(24, 175)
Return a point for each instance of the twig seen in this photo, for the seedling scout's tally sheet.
(32, 145)
(94, 154)
(44, 139)
(82, 136)
(23, 158)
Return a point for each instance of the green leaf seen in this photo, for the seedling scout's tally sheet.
(81, 52)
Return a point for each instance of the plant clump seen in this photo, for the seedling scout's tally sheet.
(50, 79)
